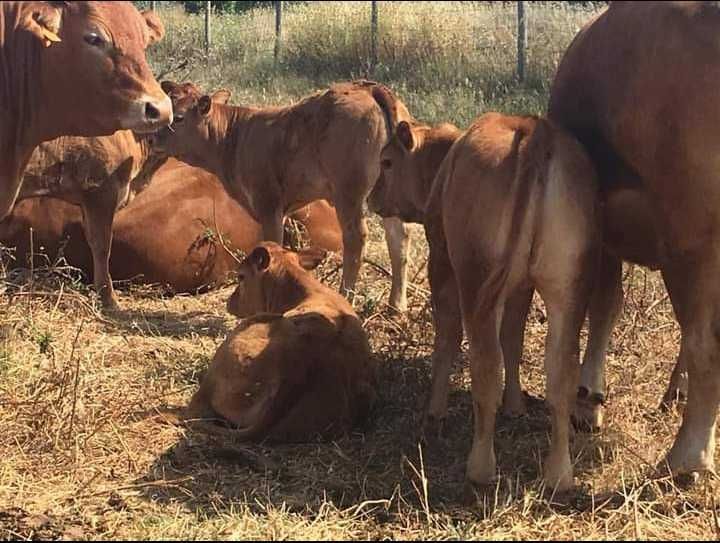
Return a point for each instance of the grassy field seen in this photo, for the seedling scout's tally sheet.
(87, 452)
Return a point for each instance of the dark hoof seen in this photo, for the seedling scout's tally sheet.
(588, 415)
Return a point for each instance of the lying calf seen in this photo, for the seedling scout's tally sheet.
(298, 365)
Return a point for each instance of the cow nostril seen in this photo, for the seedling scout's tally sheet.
(152, 113)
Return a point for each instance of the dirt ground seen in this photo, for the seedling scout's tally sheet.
(87, 452)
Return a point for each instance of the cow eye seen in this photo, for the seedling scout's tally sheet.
(386, 163)
(178, 119)
(96, 40)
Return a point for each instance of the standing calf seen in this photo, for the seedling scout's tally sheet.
(274, 160)
(511, 209)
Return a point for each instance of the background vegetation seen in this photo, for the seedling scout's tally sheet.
(86, 451)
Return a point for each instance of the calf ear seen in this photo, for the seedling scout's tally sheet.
(311, 257)
(260, 258)
(204, 105)
(169, 87)
(405, 135)
(221, 96)
(156, 30)
(44, 24)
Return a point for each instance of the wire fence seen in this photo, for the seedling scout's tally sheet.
(268, 26)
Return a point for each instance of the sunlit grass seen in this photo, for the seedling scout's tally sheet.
(449, 61)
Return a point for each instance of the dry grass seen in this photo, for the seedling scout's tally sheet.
(448, 60)
(87, 452)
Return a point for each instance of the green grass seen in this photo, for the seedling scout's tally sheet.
(449, 61)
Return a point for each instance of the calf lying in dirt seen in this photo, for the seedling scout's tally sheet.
(298, 365)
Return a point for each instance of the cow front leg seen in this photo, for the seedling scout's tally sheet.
(354, 232)
(398, 242)
(98, 215)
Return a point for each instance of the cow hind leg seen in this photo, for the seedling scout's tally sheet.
(397, 237)
(562, 368)
(604, 308)
(695, 294)
(448, 326)
(512, 335)
(486, 357)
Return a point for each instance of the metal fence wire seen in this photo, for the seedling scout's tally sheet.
(528, 33)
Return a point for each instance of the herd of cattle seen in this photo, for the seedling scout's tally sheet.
(624, 167)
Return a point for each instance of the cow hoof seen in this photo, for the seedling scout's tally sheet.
(688, 466)
(558, 475)
(111, 307)
(513, 406)
(588, 414)
(399, 306)
(432, 429)
(481, 466)
(671, 399)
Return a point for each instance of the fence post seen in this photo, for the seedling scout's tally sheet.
(521, 40)
(207, 28)
(152, 5)
(373, 36)
(278, 27)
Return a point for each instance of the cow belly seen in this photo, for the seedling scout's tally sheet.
(629, 228)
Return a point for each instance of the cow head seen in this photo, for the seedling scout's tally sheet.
(190, 136)
(94, 76)
(268, 279)
(408, 165)
(392, 194)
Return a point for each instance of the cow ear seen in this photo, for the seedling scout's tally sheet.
(259, 259)
(156, 30)
(169, 87)
(405, 135)
(204, 105)
(44, 24)
(221, 96)
(311, 257)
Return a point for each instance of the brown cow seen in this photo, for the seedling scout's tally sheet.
(638, 87)
(410, 163)
(298, 365)
(76, 68)
(94, 173)
(164, 235)
(512, 209)
(276, 159)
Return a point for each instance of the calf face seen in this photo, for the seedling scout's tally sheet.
(409, 163)
(97, 69)
(267, 275)
(188, 138)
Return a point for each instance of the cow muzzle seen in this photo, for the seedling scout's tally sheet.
(148, 114)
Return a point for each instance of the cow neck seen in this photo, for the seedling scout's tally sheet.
(284, 290)
(20, 96)
(225, 132)
(150, 162)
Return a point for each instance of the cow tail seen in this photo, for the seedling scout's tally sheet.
(387, 102)
(521, 209)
